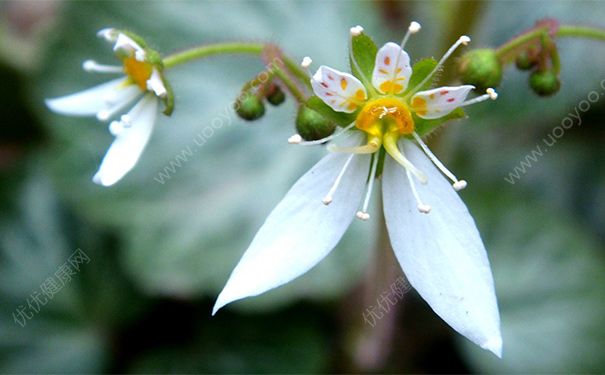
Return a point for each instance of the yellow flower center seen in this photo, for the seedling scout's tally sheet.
(138, 71)
(385, 115)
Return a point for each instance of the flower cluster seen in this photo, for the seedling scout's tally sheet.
(441, 253)
(143, 82)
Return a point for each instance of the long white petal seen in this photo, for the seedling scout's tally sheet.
(130, 142)
(441, 252)
(300, 231)
(88, 102)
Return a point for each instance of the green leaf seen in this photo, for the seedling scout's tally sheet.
(340, 118)
(419, 72)
(425, 127)
(363, 50)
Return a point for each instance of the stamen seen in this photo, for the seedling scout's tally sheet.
(490, 94)
(424, 208)
(93, 66)
(412, 29)
(295, 139)
(371, 147)
(328, 198)
(306, 62)
(356, 30)
(462, 40)
(457, 184)
(363, 213)
(298, 140)
(115, 128)
(390, 144)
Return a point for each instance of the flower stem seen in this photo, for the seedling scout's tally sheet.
(211, 50)
(298, 72)
(510, 48)
(290, 85)
(581, 32)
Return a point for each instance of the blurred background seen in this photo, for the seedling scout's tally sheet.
(154, 251)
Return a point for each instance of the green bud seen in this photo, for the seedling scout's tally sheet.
(481, 68)
(544, 83)
(249, 107)
(275, 95)
(524, 61)
(311, 125)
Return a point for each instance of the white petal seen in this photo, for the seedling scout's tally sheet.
(88, 102)
(124, 43)
(435, 103)
(130, 142)
(341, 91)
(300, 231)
(441, 252)
(392, 69)
(155, 84)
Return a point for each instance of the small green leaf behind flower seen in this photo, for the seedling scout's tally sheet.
(363, 52)
(419, 72)
(425, 127)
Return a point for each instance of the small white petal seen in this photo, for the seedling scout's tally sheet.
(125, 43)
(441, 252)
(88, 102)
(341, 91)
(155, 84)
(301, 230)
(435, 103)
(126, 149)
(109, 34)
(388, 78)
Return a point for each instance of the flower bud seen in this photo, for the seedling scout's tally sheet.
(544, 83)
(524, 61)
(249, 107)
(481, 68)
(275, 95)
(311, 125)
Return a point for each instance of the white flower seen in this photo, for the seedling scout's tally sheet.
(142, 83)
(441, 252)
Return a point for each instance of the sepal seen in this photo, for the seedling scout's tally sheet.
(425, 127)
(340, 118)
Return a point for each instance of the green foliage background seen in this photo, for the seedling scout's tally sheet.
(161, 251)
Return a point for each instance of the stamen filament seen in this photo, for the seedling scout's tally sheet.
(424, 208)
(457, 184)
(490, 94)
(390, 145)
(412, 29)
(298, 140)
(328, 198)
(93, 66)
(363, 213)
(371, 147)
(462, 40)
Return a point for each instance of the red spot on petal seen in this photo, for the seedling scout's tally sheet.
(443, 92)
(330, 77)
(387, 60)
(328, 94)
(451, 100)
(324, 84)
